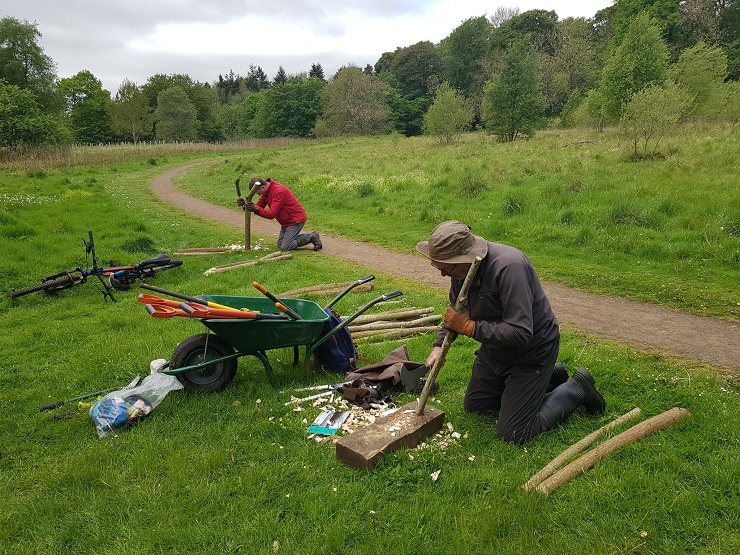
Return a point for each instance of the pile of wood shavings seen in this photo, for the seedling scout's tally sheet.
(358, 417)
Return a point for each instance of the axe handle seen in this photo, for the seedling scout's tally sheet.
(449, 338)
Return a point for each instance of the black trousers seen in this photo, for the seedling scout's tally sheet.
(514, 390)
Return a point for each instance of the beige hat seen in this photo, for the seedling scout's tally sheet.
(453, 243)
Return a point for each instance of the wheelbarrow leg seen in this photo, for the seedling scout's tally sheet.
(268, 369)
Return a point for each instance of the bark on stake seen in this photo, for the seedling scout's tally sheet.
(248, 215)
(449, 338)
(577, 447)
(401, 314)
(636, 432)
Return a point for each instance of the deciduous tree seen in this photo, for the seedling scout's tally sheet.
(86, 106)
(23, 62)
(512, 102)
(23, 122)
(641, 59)
(449, 115)
(650, 114)
(289, 109)
(176, 116)
(355, 104)
(131, 115)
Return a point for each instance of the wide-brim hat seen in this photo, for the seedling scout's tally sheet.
(452, 242)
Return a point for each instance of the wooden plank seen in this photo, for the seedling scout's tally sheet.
(404, 429)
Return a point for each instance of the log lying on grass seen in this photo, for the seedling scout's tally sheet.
(635, 433)
(574, 449)
(241, 264)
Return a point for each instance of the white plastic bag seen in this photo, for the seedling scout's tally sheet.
(122, 408)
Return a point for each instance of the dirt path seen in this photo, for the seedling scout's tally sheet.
(647, 327)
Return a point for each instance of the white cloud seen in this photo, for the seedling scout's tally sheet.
(204, 38)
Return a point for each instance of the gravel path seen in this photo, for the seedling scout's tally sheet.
(647, 327)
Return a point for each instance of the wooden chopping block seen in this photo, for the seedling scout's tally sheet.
(404, 429)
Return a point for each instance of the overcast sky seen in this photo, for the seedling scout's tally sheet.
(135, 39)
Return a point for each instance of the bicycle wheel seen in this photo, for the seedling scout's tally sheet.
(51, 286)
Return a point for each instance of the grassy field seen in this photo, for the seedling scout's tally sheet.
(665, 231)
(226, 473)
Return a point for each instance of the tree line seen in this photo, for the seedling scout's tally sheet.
(509, 73)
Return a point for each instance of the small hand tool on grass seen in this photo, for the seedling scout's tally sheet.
(57, 404)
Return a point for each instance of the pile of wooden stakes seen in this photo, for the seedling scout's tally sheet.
(391, 324)
(395, 324)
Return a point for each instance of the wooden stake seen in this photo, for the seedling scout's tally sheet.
(635, 433)
(327, 289)
(425, 321)
(449, 337)
(392, 315)
(244, 263)
(248, 217)
(577, 447)
(395, 333)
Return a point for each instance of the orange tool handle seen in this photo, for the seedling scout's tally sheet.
(292, 313)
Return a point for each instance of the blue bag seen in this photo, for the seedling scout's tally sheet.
(337, 354)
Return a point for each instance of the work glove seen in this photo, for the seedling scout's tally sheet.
(459, 322)
(250, 206)
(240, 203)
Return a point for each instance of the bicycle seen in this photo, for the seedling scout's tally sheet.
(112, 277)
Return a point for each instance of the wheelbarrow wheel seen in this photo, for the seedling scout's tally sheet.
(197, 350)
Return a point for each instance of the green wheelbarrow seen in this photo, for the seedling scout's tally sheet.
(208, 361)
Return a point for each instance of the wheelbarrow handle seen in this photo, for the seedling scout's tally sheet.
(391, 295)
(346, 321)
(349, 288)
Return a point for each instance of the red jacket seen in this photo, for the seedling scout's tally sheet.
(280, 203)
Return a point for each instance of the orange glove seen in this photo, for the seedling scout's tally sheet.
(459, 322)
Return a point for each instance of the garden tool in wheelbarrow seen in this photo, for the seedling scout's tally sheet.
(159, 307)
(411, 423)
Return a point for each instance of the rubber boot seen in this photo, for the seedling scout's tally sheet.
(304, 239)
(566, 398)
(559, 376)
(316, 240)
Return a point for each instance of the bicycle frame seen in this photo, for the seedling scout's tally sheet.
(118, 277)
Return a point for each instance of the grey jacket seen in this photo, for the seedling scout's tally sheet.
(511, 312)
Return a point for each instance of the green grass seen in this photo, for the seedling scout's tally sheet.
(224, 473)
